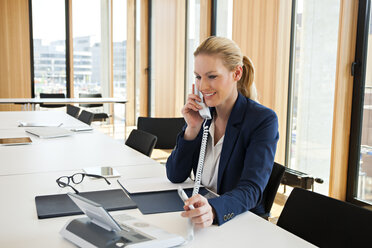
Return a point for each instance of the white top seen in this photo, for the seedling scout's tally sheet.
(212, 160)
(83, 149)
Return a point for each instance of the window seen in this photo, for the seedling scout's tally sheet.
(313, 82)
(359, 189)
(364, 187)
(91, 29)
(86, 27)
(224, 18)
(192, 41)
(119, 47)
(119, 55)
(49, 46)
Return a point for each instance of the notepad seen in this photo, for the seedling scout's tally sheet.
(162, 201)
(49, 132)
(49, 206)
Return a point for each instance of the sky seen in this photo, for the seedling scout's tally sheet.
(49, 19)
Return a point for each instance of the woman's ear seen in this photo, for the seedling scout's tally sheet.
(238, 73)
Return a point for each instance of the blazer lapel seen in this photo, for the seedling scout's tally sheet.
(231, 134)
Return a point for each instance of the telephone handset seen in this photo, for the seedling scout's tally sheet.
(204, 112)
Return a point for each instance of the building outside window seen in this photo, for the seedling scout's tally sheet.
(119, 43)
(86, 28)
(89, 32)
(49, 43)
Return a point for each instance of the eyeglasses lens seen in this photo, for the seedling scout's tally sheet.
(77, 178)
(63, 182)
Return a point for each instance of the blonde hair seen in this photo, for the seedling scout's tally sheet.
(231, 56)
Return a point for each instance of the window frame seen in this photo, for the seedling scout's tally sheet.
(359, 70)
(288, 133)
(67, 49)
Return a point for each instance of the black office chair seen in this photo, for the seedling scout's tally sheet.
(165, 129)
(86, 117)
(99, 116)
(324, 221)
(73, 110)
(52, 95)
(272, 188)
(141, 141)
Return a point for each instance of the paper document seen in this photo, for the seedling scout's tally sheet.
(152, 184)
(49, 132)
(35, 124)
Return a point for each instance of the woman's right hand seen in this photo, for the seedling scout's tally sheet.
(192, 117)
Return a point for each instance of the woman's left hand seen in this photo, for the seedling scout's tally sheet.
(202, 215)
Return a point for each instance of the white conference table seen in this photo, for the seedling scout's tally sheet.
(29, 103)
(20, 226)
(11, 119)
(25, 174)
(83, 149)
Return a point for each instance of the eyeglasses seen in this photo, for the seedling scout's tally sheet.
(77, 178)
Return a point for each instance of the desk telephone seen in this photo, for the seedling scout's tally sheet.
(206, 115)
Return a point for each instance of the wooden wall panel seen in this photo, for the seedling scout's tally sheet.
(168, 51)
(131, 20)
(343, 99)
(262, 30)
(144, 62)
(15, 72)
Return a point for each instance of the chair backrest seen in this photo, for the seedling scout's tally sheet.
(272, 188)
(90, 95)
(52, 95)
(86, 117)
(165, 129)
(73, 110)
(141, 141)
(324, 221)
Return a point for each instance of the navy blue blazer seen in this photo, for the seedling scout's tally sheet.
(246, 161)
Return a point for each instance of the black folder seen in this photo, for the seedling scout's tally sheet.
(162, 201)
(49, 206)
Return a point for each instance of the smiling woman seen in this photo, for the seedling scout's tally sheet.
(242, 136)
(233, 61)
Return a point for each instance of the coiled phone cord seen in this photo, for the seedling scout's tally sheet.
(199, 170)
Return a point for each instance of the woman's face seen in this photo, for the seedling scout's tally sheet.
(217, 84)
